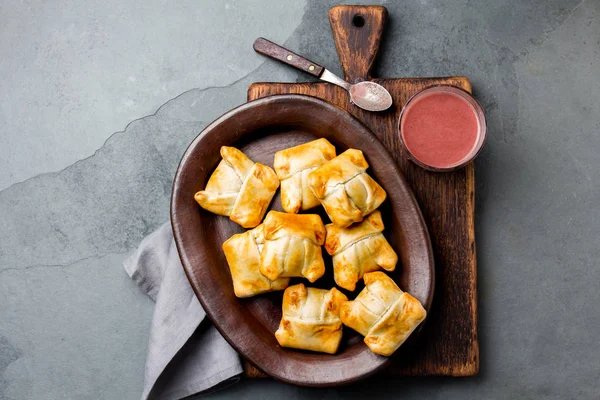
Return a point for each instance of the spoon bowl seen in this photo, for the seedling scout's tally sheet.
(370, 96)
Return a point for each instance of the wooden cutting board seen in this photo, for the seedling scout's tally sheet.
(448, 344)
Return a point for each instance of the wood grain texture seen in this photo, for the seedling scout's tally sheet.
(357, 44)
(448, 344)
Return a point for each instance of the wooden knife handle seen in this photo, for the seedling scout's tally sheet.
(270, 49)
(357, 32)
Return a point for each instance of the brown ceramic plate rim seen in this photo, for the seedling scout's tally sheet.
(181, 238)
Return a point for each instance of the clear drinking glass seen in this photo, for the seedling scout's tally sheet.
(480, 117)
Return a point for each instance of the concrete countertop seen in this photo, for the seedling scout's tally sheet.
(98, 100)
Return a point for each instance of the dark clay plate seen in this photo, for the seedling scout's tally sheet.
(259, 129)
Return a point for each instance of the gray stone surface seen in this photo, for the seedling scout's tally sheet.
(73, 72)
(73, 326)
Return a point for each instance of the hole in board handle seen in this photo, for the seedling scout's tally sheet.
(358, 21)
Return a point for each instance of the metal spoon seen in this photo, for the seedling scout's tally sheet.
(367, 95)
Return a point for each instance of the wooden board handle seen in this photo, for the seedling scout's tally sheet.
(273, 50)
(357, 34)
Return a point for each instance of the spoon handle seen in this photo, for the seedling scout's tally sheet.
(270, 49)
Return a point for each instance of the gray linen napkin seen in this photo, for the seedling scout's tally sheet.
(186, 354)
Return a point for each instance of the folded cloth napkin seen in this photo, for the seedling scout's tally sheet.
(186, 354)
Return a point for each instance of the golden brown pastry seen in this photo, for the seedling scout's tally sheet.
(239, 189)
(293, 166)
(243, 256)
(382, 313)
(346, 191)
(359, 249)
(311, 319)
(292, 246)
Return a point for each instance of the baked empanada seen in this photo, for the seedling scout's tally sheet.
(346, 191)
(293, 166)
(243, 256)
(239, 189)
(358, 249)
(292, 246)
(382, 313)
(311, 319)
